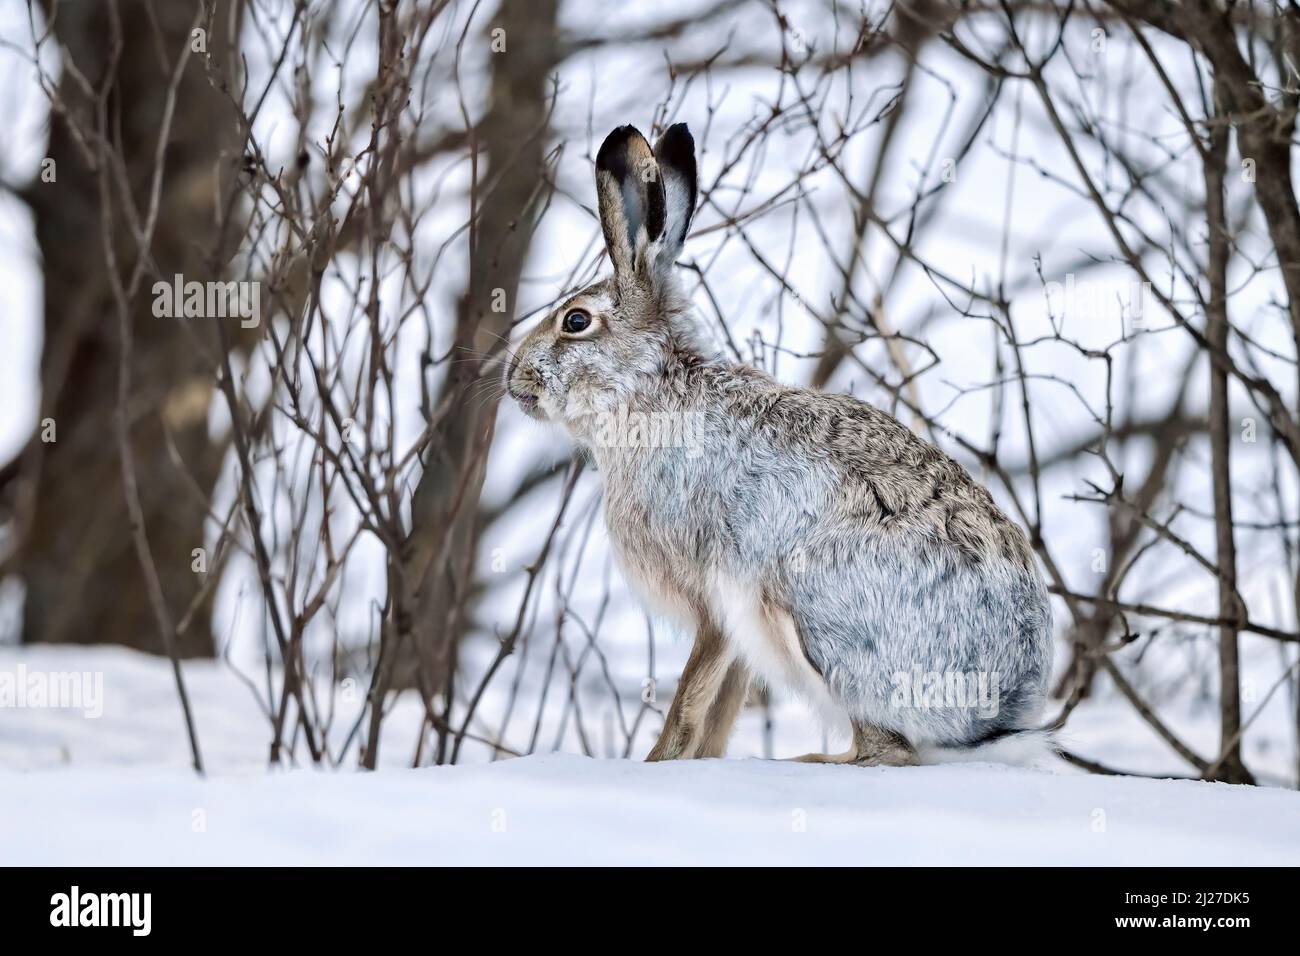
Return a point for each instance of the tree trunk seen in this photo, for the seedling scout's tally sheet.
(1229, 766)
(74, 550)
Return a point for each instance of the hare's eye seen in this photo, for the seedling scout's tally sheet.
(575, 322)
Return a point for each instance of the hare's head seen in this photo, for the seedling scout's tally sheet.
(616, 336)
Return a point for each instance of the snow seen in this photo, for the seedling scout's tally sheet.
(114, 790)
(568, 809)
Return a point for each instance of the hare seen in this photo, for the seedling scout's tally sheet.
(809, 539)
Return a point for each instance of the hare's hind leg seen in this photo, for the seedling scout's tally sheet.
(690, 724)
(872, 747)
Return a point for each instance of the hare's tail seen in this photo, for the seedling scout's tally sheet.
(1019, 748)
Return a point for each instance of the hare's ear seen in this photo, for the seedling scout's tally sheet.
(630, 192)
(675, 154)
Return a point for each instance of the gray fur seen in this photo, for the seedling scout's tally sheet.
(792, 505)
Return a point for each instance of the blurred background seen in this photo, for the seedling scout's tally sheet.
(1060, 240)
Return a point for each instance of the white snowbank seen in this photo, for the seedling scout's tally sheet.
(564, 809)
(114, 788)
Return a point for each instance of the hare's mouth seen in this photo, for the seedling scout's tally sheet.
(528, 402)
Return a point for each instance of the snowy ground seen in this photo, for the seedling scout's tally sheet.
(113, 789)
(567, 809)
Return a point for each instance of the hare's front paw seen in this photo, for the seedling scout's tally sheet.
(664, 750)
(671, 744)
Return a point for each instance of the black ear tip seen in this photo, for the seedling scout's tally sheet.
(677, 146)
(682, 130)
(613, 152)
